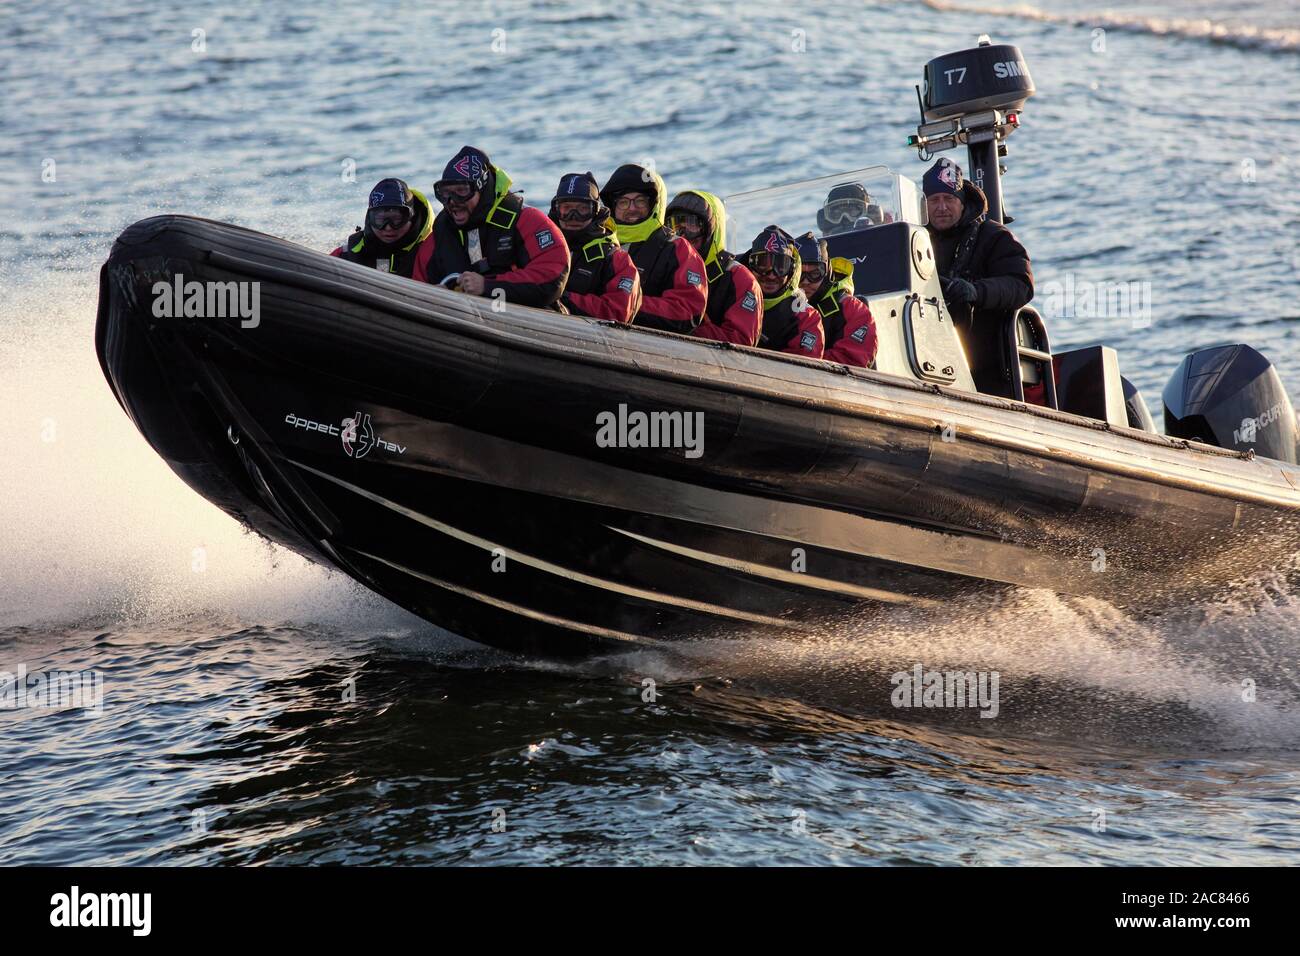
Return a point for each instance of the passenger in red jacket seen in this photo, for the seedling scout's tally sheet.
(490, 239)
(398, 222)
(673, 288)
(790, 324)
(603, 282)
(828, 284)
(734, 312)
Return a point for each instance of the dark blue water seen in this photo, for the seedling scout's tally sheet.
(257, 708)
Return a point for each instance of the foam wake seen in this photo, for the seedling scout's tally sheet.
(1242, 35)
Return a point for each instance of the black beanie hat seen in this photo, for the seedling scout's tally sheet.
(577, 186)
(391, 194)
(943, 177)
(470, 165)
(812, 249)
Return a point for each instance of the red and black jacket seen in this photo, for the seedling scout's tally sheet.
(790, 329)
(673, 287)
(603, 281)
(849, 328)
(523, 252)
(364, 248)
(735, 308)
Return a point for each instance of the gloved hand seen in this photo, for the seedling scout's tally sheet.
(958, 291)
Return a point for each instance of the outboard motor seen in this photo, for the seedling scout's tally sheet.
(1135, 407)
(973, 98)
(1231, 396)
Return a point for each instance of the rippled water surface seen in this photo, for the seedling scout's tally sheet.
(259, 709)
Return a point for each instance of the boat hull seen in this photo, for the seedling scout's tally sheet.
(454, 458)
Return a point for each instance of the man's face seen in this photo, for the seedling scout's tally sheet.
(575, 215)
(770, 271)
(460, 200)
(810, 279)
(944, 209)
(631, 208)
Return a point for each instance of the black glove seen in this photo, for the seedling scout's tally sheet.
(958, 291)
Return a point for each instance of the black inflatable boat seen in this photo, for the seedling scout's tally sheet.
(535, 480)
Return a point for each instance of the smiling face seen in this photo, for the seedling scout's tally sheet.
(945, 210)
(810, 280)
(631, 208)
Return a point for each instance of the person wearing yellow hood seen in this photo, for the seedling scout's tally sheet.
(399, 222)
(489, 240)
(846, 320)
(790, 324)
(673, 289)
(735, 307)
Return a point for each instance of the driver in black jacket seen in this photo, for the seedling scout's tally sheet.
(983, 269)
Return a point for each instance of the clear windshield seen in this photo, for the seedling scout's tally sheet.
(829, 205)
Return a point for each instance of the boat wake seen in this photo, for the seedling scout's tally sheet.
(1241, 35)
(1220, 676)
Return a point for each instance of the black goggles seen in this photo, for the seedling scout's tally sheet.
(813, 272)
(772, 263)
(453, 192)
(388, 218)
(575, 210)
(844, 210)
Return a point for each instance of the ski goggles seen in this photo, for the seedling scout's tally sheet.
(770, 263)
(844, 210)
(575, 210)
(446, 192)
(812, 272)
(388, 218)
(686, 224)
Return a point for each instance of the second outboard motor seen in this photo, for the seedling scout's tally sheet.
(1231, 396)
(1135, 407)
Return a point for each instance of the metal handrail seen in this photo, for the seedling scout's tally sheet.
(1042, 355)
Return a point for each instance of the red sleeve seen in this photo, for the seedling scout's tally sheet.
(743, 320)
(857, 346)
(621, 297)
(684, 300)
(541, 280)
(337, 252)
(423, 256)
(809, 340)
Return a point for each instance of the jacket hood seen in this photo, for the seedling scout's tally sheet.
(840, 281)
(631, 178)
(709, 208)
